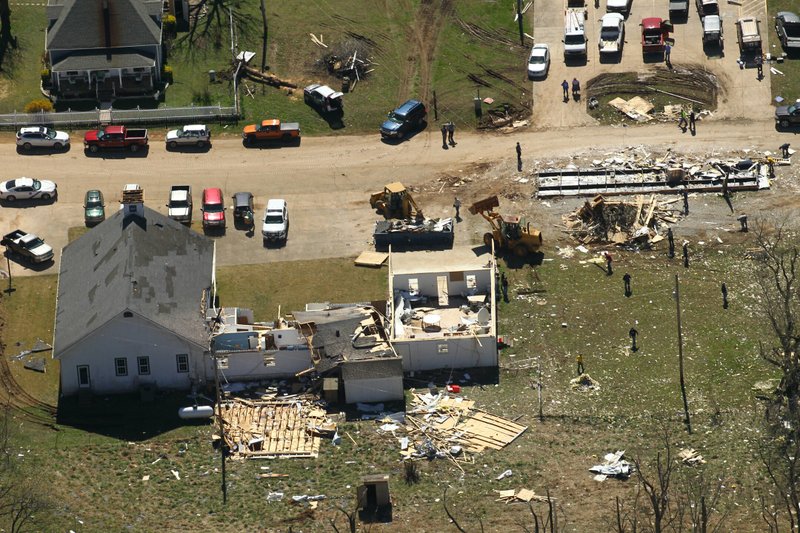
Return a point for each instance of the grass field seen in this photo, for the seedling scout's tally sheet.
(96, 472)
(21, 73)
(786, 85)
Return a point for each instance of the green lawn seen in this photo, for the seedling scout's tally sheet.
(21, 73)
(95, 470)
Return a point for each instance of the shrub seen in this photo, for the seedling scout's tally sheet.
(40, 104)
(168, 22)
(201, 98)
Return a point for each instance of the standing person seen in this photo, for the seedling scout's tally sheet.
(457, 206)
(686, 254)
(724, 296)
(760, 67)
(609, 259)
(627, 280)
(504, 286)
(686, 201)
(565, 87)
(785, 150)
(579, 360)
(444, 136)
(682, 123)
(671, 240)
(692, 118)
(576, 89)
(667, 51)
(519, 158)
(451, 129)
(632, 334)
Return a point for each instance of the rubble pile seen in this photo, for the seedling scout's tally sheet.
(350, 59)
(639, 222)
(444, 426)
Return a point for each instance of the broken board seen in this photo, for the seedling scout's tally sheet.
(371, 259)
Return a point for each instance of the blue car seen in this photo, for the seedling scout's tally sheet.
(409, 116)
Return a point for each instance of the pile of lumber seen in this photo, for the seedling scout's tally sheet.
(619, 222)
(442, 425)
(274, 427)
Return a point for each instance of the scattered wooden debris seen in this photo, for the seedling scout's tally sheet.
(637, 108)
(445, 426)
(275, 427)
(619, 222)
(520, 496)
(690, 457)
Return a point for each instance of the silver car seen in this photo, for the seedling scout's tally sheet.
(41, 137)
(192, 135)
(27, 189)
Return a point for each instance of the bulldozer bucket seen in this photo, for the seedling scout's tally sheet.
(484, 205)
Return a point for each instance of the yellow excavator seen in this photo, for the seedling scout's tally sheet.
(508, 233)
(394, 201)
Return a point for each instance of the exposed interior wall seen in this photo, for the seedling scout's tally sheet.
(457, 282)
(246, 366)
(447, 352)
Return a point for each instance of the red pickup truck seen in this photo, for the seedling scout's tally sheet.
(655, 32)
(115, 137)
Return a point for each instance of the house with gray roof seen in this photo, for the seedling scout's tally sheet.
(104, 49)
(134, 295)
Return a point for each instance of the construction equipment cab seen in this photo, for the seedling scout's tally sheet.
(395, 202)
(508, 232)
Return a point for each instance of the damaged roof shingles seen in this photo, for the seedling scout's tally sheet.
(153, 267)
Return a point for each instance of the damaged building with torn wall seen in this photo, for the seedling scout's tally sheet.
(441, 311)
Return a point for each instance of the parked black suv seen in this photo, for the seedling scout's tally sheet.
(402, 120)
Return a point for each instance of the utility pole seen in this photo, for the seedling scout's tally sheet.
(222, 446)
(686, 419)
(264, 36)
(519, 21)
(10, 289)
(539, 388)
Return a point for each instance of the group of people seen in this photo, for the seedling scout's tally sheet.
(576, 89)
(688, 121)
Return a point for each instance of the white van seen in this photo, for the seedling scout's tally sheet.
(575, 33)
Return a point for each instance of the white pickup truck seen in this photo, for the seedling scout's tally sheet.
(179, 207)
(28, 246)
(612, 33)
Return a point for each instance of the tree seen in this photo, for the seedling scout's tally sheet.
(778, 260)
(777, 277)
(6, 37)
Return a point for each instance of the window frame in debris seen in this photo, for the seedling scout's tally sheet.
(121, 366)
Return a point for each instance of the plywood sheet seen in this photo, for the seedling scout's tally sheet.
(372, 259)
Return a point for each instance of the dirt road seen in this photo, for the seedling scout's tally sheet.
(326, 181)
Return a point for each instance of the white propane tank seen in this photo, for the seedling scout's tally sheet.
(196, 411)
